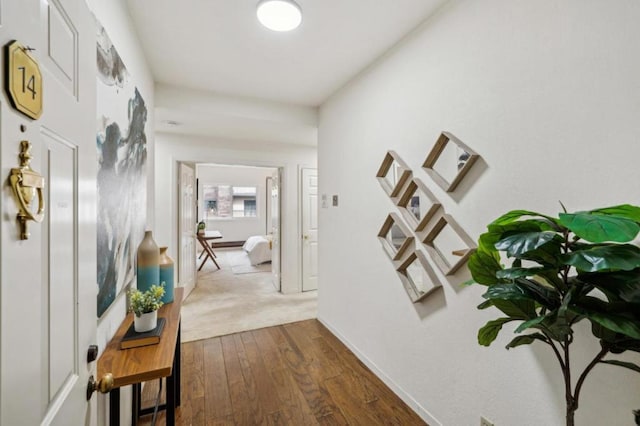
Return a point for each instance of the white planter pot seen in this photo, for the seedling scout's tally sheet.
(145, 322)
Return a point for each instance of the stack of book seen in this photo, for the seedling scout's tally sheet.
(133, 339)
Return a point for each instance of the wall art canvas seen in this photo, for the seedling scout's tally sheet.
(122, 181)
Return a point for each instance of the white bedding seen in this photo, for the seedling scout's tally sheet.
(258, 249)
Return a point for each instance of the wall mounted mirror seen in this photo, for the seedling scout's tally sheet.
(395, 236)
(449, 161)
(393, 174)
(418, 205)
(418, 278)
(449, 245)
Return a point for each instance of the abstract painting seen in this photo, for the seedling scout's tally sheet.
(122, 180)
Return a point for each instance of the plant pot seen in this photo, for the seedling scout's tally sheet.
(145, 322)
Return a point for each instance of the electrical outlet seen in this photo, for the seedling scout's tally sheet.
(485, 422)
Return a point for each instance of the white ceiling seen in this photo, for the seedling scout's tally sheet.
(218, 45)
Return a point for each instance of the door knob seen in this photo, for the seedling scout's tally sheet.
(306, 237)
(104, 385)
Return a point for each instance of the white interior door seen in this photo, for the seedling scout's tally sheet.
(309, 211)
(274, 209)
(48, 282)
(187, 225)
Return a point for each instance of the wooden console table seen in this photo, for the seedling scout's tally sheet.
(137, 365)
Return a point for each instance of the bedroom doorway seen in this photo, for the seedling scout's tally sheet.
(236, 202)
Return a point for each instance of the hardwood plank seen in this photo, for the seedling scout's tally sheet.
(294, 405)
(354, 409)
(193, 367)
(257, 412)
(237, 389)
(221, 421)
(264, 384)
(216, 388)
(314, 392)
(320, 359)
(268, 349)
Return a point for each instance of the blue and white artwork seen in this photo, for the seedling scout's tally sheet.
(121, 144)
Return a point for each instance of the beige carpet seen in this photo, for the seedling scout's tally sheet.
(224, 303)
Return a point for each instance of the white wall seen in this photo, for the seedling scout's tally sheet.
(170, 149)
(114, 17)
(547, 93)
(238, 228)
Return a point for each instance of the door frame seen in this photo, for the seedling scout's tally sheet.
(281, 172)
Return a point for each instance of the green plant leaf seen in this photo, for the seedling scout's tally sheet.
(546, 296)
(512, 273)
(514, 215)
(600, 228)
(483, 268)
(489, 332)
(629, 365)
(527, 339)
(624, 210)
(546, 255)
(528, 324)
(613, 257)
(518, 309)
(518, 244)
(617, 285)
(614, 322)
(506, 292)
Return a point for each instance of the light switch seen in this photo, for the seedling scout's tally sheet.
(335, 201)
(325, 201)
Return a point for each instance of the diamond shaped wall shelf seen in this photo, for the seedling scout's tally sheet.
(418, 205)
(418, 278)
(395, 236)
(449, 245)
(393, 174)
(449, 161)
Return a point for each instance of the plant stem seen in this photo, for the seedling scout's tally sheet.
(586, 371)
(566, 370)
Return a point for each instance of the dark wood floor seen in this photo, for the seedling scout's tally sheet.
(297, 374)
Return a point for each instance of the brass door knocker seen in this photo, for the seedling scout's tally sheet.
(26, 183)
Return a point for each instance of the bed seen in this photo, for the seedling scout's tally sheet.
(258, 248)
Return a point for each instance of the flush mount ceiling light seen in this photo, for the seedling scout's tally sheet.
(279, 15)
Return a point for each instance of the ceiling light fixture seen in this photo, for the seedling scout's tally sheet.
(279, 15)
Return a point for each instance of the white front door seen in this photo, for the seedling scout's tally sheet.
(187, 226)
(274, 214)
(309, 229)
(48, 282)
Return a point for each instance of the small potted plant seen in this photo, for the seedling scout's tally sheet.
(145, 305)
(201, 227)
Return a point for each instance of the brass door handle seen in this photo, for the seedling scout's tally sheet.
(104, 385)
(306, 237)
(26, 183)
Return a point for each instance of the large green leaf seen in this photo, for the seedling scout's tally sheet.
(512, 273)
(625, 210)
(547, 255)
(528, 324)
(519, 309)
(483, 268)
(617, 285)
(514, 215)
(600, 228)
(506, 292)
(518, 244)
(546, 296)
(615, 322)
(527, 339)
(489, 332)
(629, 365)
(613, 257)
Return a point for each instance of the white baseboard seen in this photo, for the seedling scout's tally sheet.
(404, 396)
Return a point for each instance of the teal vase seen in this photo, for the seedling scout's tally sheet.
(166, 275)
(148, 271)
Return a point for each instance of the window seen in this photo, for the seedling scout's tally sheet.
(226, 201)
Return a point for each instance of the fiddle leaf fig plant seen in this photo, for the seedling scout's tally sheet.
(549, 273)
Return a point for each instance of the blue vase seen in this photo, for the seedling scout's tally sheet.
(148, 270)
(166, 275)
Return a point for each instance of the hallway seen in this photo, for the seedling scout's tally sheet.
(296, 374)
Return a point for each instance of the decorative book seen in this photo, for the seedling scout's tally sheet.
(133, 339)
